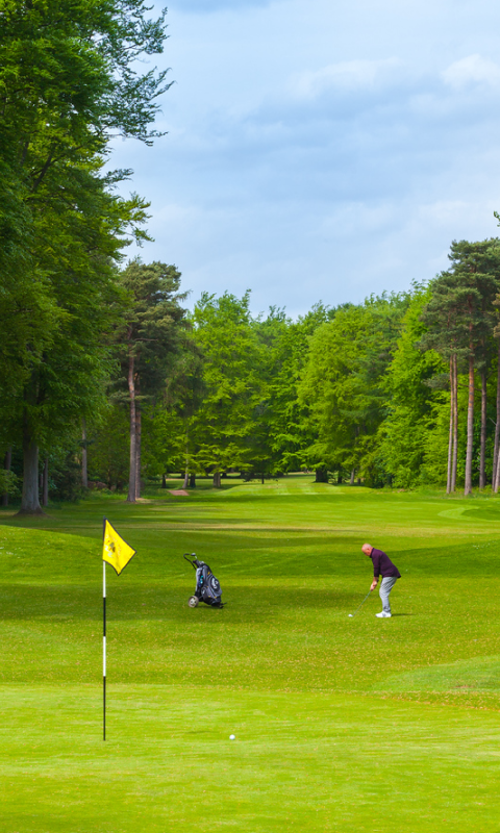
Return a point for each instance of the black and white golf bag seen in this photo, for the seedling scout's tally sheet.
(208, 589)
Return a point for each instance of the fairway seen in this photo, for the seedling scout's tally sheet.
(341, 724)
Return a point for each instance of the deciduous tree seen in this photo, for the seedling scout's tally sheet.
(69, 81)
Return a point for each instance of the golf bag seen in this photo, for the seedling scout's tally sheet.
(208, 589)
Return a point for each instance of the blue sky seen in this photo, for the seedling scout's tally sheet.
(320, 150)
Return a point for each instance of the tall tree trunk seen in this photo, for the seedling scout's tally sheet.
(216, 480)
(85, 477)
(30, 500)
(496, 482)
(164, 481)
(353, 473)
(455, 424)
(192, 481)
(321, 476)
(470, 428)
(450, 438)
(186, 470)
(133, 460)
(497, 429)
(45, 482)
(482, 456)
(7, 462)
(138, 444)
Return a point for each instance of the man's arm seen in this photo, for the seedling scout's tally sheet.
(376, 571)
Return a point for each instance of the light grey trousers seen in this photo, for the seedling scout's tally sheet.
(386, 586)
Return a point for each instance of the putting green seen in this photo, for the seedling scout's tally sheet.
(341, 724)
(301, 761)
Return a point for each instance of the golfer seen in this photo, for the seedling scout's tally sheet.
(382, 566)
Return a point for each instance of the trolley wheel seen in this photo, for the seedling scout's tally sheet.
(193, 601)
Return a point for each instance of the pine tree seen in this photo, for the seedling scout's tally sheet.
(460, 319)
(148, 341)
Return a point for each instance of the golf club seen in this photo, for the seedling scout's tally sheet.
(361, 605)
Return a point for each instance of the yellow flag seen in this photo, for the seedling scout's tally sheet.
(115, 550)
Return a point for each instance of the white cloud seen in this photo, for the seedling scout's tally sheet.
(356, 178)
(472, 70)
(346, 75)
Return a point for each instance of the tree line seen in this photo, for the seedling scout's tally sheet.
(402, 390)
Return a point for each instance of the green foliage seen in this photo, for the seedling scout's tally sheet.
(69, 80)
(288, 424)
(163, 441)
(108, 448)
(460, 319)
(459, 316)
(148, 341)
(343, 382)
(65, 478)
(434, 446)
(152, 324)
(8, 483)
(233, 386)
(409, 433)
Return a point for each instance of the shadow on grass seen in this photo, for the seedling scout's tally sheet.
(139, 603)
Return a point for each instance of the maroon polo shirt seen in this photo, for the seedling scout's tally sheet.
(382, 565)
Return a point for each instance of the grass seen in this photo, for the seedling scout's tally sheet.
(341, 724)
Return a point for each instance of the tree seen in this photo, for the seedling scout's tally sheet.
(183, 398)
(148, 340)
(232, 358)
(443, 333)
(287, 425)
(342, 383)
(107, 450)
(410, 400)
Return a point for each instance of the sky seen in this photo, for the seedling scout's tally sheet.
(319, 150)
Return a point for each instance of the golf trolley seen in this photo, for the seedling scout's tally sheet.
(208, 589)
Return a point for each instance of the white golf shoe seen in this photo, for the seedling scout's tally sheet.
(383, 615)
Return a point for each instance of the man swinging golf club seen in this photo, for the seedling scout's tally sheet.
(382, 566)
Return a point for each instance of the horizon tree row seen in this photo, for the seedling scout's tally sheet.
(401, 390)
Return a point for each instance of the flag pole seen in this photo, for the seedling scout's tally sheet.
(104, 650)
(118, 553)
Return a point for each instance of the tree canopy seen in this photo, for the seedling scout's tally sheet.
(69, 81)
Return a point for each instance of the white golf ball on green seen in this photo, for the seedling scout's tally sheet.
(232, 737)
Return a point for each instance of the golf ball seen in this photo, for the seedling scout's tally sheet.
(231, 737)
(350, 615)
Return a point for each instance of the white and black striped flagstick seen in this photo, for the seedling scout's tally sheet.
(104, 650)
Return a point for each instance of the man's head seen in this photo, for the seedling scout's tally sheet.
(367, 549)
